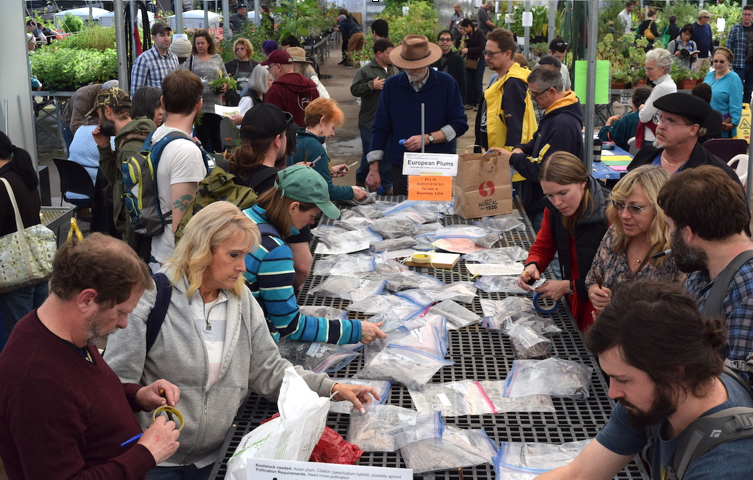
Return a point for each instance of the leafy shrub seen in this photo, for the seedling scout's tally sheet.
(91, 38)
(71, 23)
(65, 69)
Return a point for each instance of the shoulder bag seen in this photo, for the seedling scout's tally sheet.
(26, 254)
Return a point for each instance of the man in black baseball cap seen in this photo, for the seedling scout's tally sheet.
(681, 119)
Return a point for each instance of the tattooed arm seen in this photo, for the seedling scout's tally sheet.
(181, 195)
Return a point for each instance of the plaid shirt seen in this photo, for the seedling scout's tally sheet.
(737, 308)
(737, 41)
(151, 67)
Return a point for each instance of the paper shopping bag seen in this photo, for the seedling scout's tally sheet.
(482, 186)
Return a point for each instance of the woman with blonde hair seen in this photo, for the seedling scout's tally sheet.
(214, 342)
(305, 67)
(240, 68)
(321, 117)
(573, 225)
(637, 234)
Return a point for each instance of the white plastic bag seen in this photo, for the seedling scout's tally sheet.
(292, 435)
(553, 376)
(456, 449)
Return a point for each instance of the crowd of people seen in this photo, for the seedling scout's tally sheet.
(637, 261)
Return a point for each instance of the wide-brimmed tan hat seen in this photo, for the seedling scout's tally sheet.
(415, 52)
(298, 55)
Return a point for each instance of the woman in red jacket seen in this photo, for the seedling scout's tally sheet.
(573, 225)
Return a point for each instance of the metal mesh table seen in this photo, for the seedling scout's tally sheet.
(479, 354)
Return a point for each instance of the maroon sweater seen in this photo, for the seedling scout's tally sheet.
(62, 417)
(292, 92)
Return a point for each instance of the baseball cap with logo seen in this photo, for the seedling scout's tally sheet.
(160, 27)
(114, 97)
(304, 184)
(278, 56)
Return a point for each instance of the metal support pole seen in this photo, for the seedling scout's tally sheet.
(206, 15)
(257, 12)
(226, 18)
(588, 138)
(179, 16)
(134, 25)
(124, 79)
(423, 125)
(526, 32)
(552, 19)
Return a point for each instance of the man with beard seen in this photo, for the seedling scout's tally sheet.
(397, 122)
(114, 107)
(450, 62)
(181, 166)
(63, 411)
(156, 63)
(679, 122)
(665, 372)
(707, 215)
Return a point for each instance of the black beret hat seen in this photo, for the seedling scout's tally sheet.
(689, 106)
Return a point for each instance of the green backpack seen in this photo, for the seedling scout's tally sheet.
(220, 185)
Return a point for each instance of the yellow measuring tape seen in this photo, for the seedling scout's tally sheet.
(169, 411)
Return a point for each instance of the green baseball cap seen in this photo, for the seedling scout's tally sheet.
(304, 184)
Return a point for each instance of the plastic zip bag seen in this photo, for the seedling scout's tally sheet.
(340, 265)
(461, 231)
(461, 291)
(370, 199)
(498, 255)
(533, 403)
(540, 325)
(348, 242)
(385, 265)
(526, 343)
(539, 456)
(502, 223)
(396, 226)
(324, 230)
(382, 388)
(453, 399)
(348, 288)
(392, 244)
(386, 428)
(350, 220)
(456, 449)
(498, 284)
(407, 280)
(374, 211)
(457, 316)
(323, 311)
(506, 306)
(456, 245)
(428, 211)
(553, 376)
(315, 356)
(430, 337)
(402, 307)
(424, 242)
(407, 366)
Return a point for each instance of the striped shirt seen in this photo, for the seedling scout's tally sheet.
(270, 275)
(151, 68)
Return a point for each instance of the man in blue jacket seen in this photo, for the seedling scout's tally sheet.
(559, 130)
(398, 117)
(702, 35)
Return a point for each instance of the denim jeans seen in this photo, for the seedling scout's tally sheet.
(746, 75)
(17, 303)
(363, 168)
(475, 83)
(67, 137)
(185, 472)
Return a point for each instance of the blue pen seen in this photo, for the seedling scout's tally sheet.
(131, 440)
(401, 142)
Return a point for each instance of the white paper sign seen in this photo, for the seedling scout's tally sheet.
(527, 19)
(282, 470)
(438, 164)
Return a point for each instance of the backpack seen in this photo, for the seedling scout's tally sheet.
(705, 433)
(712, 307)
(159, 311)
(141, 195)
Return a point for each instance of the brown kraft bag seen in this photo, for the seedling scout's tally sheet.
(482, 186)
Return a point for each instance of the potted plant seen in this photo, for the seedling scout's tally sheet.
(620, 78)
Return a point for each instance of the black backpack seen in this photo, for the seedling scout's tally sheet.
(159, 311)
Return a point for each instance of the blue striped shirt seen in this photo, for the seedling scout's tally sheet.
(151, 68)
(270, 275)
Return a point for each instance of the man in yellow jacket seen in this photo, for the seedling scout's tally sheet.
(506, 117)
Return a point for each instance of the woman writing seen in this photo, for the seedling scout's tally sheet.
(298, 196)
(240, 67)
(208, 66)
(17, 169)
(258, 84)
(574, 223)
(214, 342)
(473, 44)
(321, 117)
(637, 233)
(726, 91)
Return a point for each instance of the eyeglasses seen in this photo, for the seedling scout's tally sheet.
(633, 209)
(269, 67)
(535, 94)
(445, 39)
(487, 53)
(668, 123)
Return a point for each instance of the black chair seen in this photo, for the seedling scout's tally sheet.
(74, 179)
(726, 148)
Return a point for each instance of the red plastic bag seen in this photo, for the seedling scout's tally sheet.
(332, 448)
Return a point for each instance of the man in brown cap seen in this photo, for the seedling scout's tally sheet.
(398, 116)
(156, 63)
(703, 37)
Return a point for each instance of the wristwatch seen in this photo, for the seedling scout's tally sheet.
(431, 138)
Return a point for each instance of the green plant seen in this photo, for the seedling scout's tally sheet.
(300, 18)
(679, 73)
(422, 20)
(71, 23)
(540, 23)
(90, 38)
(61, 69)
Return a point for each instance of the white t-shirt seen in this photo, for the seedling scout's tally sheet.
(180, 162)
